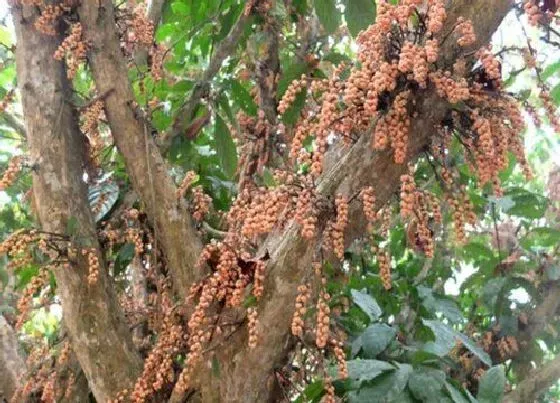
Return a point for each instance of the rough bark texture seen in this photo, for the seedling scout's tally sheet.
(79, 392)
(91, 314)
(155, 9)
(140, 296)
(536, 383)
(148, 172)
(11, 362)
(543, 314)
(248, 375)
(268, 68)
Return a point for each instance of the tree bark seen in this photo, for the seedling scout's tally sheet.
(248, 375)
(96, 327)
(148, 171)
(268, 68)
(13, 366)
(154, 12)
(536, 383)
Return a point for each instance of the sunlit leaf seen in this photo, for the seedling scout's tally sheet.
(541, 237)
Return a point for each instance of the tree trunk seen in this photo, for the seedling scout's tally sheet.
(11, 362)
(148, 171)
(57, 151)
(93, 320)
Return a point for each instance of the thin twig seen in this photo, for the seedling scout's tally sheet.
(226, 47)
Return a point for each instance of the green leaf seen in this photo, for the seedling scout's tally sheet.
(365, 370)
(300, 6)
(226, 22)
(293, 113)
(446, 338)
(359, 15)
(242, 97)
(180, 87)
(474, 251)
(290, 72)
(527, 204)
(385, 388)
(72, 226)
(426, 384)
(7, 75)
(448, 308)
(555, 94)
(480, 255)
(328, 14)
(492, 385)
(376, 338)
(180, 8)
(224, 106)
(550, 70)
(25, 274)
(5, 36)
(225, 147)
(312, 392)
(492, 289)
(336, 58)
(404, 397)
(455, 394)
(124, 257)
(541, 237)
(367, 304)
(268, 178)
(443, 305)
(250, 301)
(164, 31)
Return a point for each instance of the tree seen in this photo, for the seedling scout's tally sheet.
(231, 204)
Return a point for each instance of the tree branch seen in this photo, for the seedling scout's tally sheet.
(133, 136)
(268, 68)
(291, 256)
(155, 10)
(543, 313)
(100, 338)
(538, 381)
(248, 375)
(201, 90)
